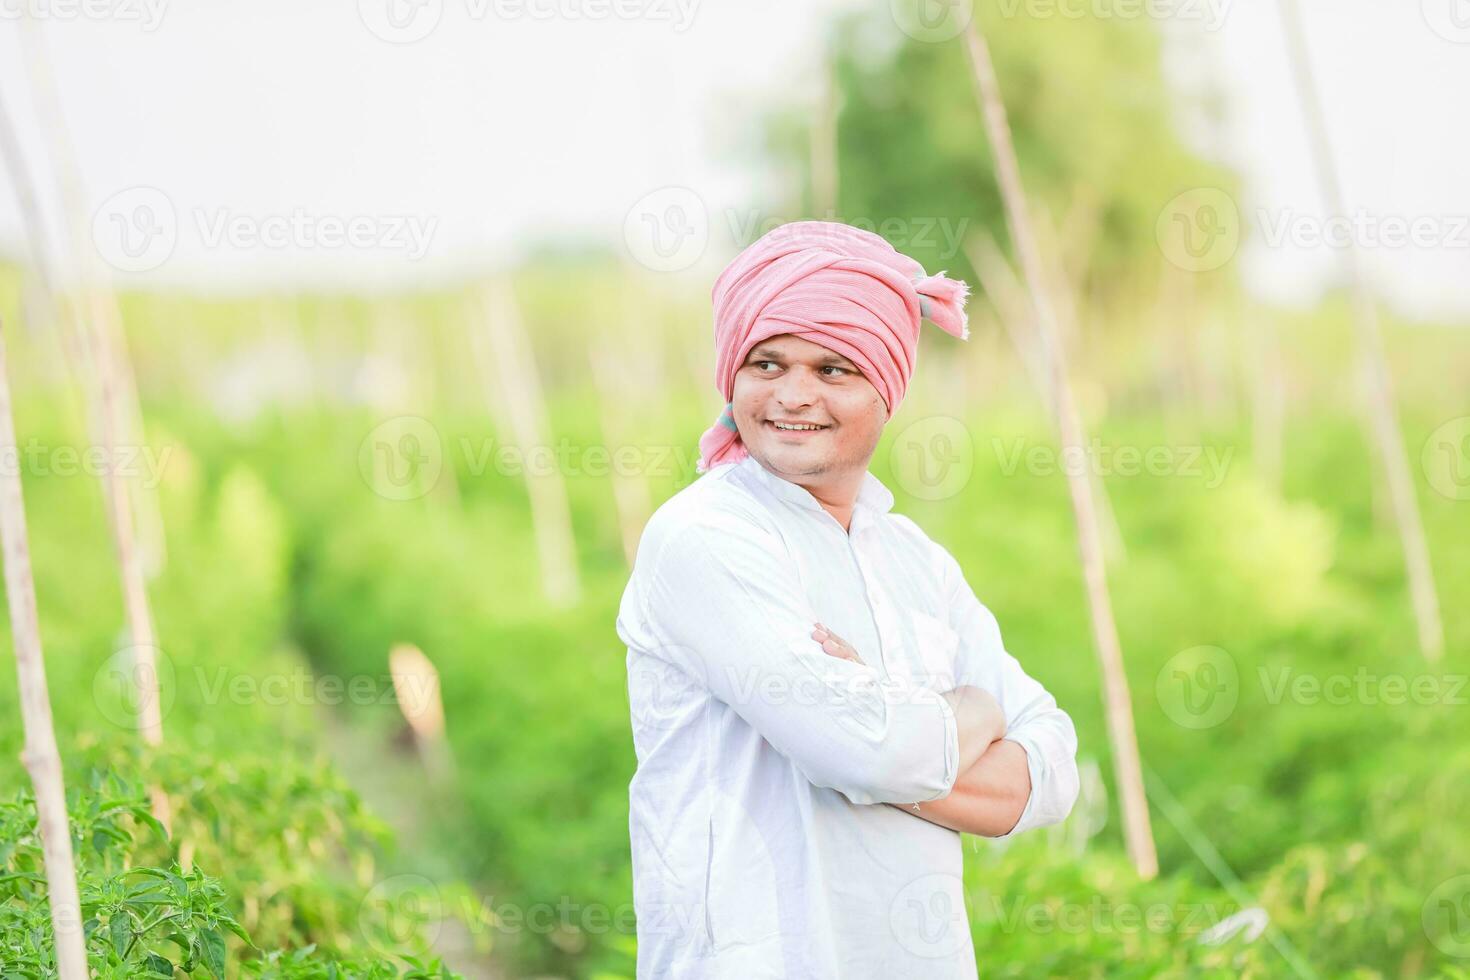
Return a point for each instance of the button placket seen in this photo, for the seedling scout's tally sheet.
(874, 600)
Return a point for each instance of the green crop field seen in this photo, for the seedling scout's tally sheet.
(383, 533)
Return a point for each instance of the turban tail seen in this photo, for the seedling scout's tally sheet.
(834, 285)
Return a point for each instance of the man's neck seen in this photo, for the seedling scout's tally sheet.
(837, 498)
(836, 492)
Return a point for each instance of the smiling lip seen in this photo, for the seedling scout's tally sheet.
(797, 433)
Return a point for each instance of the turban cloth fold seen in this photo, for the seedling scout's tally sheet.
(831, 284)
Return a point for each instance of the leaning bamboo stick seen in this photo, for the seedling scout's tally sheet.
(508, 371)
(41, 757)
(1013, 308)
(12, 158)
(104, 348)
(129, 558)
(54, 313)
(99, 311)
(417, 690)
(824, 147)
(398, 379)
(1383, 423)
(1064, 285)
(92, 349)
(1124, 739)
(630, 491)
(1267, 399)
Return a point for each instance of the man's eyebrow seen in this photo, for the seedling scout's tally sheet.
(771, 354)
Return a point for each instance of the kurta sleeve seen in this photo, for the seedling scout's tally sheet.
(1033, 720)
(725, 603)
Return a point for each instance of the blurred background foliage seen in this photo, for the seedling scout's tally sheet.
(284, 560)
(1098, 132)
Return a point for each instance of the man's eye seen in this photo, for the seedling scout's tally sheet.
(761, 366)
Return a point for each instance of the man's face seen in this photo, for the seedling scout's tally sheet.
(788, 379)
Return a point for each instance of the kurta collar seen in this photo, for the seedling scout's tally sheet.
(872, 496)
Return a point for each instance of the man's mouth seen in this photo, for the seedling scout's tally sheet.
(795, 429)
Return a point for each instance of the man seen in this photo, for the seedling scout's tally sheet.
(819, 701)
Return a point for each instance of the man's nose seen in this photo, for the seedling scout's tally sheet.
(797, 386)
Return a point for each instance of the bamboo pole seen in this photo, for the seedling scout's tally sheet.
(1383, 424)
(417, 690)
(28, 206)
(1066, 281)
(1012, 305)
(41, 757)
(1013, 308)
(99, 310)
(397, 378)
(1122, 735)
(129, 558)
(824, 148)
(1171, 318)
(1267, 398)
(90, 347)
(631, 495)
(508, 371)
(30, 213)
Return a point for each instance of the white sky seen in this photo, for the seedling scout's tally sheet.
(282, 116)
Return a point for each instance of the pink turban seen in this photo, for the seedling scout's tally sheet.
(834, 285)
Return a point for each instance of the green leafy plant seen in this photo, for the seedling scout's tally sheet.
(141, 921)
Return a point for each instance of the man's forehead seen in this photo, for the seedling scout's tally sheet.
(794, 348)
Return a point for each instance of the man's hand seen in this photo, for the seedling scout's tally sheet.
(978, 715)
(834, 645)
(994, 782)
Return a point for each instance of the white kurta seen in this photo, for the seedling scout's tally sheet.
(761, 846)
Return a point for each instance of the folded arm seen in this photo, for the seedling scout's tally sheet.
(988, 798)
(730, 612)
(991, 792)
(1029, 777)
